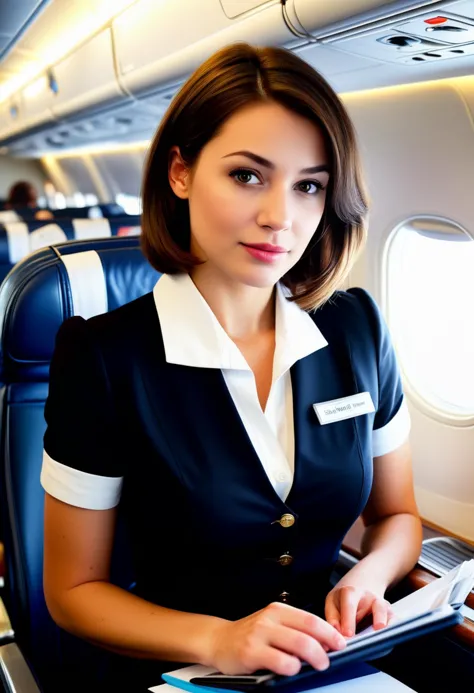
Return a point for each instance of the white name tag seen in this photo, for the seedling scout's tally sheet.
(344, 408)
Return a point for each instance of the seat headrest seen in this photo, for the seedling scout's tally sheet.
(77, 278)
(19, 238)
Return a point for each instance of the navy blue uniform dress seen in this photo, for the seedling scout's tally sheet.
(208, 532)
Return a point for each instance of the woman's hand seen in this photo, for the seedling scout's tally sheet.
(279, 638)
(350, 601)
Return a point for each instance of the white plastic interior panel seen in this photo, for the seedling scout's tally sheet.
(314, 15)
(461, 8)
(155, 48)
(77, 172)
(36, 103)
(234, 8)
(87, 78)
(330, 61)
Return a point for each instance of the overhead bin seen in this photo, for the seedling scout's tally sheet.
(86, 78)
(320, 17)
(158, 44)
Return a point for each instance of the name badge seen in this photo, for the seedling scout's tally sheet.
(344, 408)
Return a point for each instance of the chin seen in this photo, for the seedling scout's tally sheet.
(260, 279)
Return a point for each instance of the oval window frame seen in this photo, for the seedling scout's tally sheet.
(432, 226)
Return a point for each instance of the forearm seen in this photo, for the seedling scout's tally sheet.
(126, 624)
(391, 547)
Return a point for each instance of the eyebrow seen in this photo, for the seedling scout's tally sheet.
(268, 164)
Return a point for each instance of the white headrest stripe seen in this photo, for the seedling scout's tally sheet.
(85, 229)
(18, 241)
(46, 235)
(8, 215)
(87, 281)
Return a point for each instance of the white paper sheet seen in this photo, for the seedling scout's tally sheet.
(453, 588)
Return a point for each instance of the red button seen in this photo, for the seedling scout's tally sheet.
(436, 20)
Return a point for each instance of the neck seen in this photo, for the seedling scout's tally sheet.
(245, 312)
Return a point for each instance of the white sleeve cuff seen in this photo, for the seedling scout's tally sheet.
(393, 434)
(81, 489)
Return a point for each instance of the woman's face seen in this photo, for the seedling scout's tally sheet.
(256, 194)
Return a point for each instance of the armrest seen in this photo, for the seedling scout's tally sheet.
(15, 672)
(6, 631)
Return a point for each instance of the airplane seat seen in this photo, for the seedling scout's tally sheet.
(112, 209)
(76, 278)
(73, 212)
(20, 238)
(106, 210)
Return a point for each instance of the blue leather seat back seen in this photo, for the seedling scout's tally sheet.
(110, 209)
(37, 296)
(18, 239)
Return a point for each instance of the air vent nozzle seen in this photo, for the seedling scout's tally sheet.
(400, 41)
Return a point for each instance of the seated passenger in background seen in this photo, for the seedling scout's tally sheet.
(191, 408)
(23, 195)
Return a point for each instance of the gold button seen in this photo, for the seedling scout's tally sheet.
(284, 596)
(287, 520)
(286, 559)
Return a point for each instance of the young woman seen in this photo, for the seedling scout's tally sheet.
(248, 411)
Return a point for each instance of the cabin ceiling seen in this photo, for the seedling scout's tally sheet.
(15, 18)
(350, 61)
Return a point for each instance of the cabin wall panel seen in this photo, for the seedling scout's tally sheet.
(417, 145)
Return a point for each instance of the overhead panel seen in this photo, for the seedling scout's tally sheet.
(428, 37)
(158, 43)
(86, 79)
(315, 15)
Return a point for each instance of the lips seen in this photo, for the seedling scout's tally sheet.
(266, 247)
(265, 252)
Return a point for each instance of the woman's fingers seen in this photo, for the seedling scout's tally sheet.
(312, 625)
(349, 602)
(331, 612)
(278, 661)
(303, 646)
(380, 613)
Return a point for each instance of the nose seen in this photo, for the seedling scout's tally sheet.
(274, 212)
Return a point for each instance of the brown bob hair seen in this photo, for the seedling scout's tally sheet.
(234, 77)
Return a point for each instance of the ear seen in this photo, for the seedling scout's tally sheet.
(178, 174)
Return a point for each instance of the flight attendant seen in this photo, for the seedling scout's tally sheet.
(242, 416)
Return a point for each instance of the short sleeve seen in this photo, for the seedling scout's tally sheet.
(392, 420)
(82, 463)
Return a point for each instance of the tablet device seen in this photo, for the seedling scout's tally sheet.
(360, 648)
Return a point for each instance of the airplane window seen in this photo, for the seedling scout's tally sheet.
(130, 203)
(79, 200)
(429, 267)
(59, 201)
